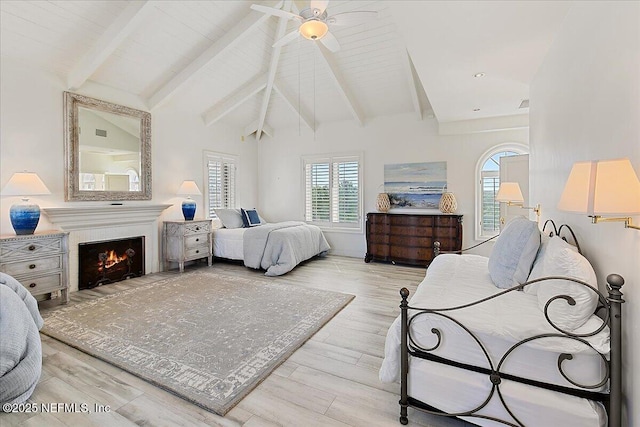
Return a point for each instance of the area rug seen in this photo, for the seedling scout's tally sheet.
(208, 337)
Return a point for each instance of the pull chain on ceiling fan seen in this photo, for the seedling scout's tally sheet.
(315, 22)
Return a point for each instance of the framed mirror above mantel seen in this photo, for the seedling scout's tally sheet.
(107, 150)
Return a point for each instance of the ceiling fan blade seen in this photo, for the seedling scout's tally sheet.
(319, 5)
(288, 38)
(330, 41)
(275, 12)
(352, 18)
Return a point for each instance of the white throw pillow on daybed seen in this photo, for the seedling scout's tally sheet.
(562, 259)
(513, 253)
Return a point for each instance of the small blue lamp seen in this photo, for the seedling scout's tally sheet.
(189, 188)
(25, 216)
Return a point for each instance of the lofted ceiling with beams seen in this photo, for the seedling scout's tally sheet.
(216, 59)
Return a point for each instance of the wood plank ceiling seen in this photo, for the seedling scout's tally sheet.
(215, 58)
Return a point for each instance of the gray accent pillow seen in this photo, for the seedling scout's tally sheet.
(514, 252)
(231, 218)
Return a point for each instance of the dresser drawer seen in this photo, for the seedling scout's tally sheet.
(33, 266)
(29, 248)
(200, 227)
(195, 240)
(196, 252)
(43, 284)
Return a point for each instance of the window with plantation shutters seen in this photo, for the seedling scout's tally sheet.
(220, 173)
(333, 191)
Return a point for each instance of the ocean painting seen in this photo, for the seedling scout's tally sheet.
(415, 185)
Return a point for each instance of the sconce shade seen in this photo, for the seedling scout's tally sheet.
(509, 192)
(604, 187)
(25, 216)
(25, 184)
(189, 188)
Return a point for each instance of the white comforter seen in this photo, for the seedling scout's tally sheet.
(452, 280)
(279, 247)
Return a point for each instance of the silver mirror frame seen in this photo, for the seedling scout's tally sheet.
(72, 150)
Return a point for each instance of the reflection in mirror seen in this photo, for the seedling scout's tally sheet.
(108, 150)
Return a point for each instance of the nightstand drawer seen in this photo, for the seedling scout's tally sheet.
(197, 252)
(33, 266)
(30, 248)
(195, 240)
(200, 227)
(44, 284)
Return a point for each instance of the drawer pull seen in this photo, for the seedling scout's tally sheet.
(32, 248)
(32, 285)
(32, 266)
(198, 251)
(197, 240)
(198, 228)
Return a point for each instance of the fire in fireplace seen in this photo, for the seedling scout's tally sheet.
(110, 261)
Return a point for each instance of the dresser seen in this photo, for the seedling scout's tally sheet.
(39, 261)
(187, 241)
(408, 238)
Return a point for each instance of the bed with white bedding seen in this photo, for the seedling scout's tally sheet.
(274, 247)
(463, 347)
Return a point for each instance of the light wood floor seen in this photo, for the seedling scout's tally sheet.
(332, 380)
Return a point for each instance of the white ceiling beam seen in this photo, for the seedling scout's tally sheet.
(235, 100)
(253, 128)
(412, 78)
(273, 68)
(226, 43)
(128, 21)
(288, 99)
(343, 89)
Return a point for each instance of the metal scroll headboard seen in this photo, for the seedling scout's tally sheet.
(558, 230)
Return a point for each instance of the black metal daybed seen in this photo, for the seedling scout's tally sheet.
(456, 361)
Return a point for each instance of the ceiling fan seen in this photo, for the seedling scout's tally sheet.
(315, 22)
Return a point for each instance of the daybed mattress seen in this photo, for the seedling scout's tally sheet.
(228, 243)
(452, 280)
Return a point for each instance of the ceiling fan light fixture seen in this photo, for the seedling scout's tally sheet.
(313, 29)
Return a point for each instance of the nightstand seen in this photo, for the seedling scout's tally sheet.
(39, 261)
(187, 241)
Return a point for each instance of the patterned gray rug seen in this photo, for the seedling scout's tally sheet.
(207, 337)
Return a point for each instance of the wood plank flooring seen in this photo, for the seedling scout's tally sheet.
(332, 380)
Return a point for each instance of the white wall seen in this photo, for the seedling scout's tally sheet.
(31, 138)
(585, 105)
(397, 139)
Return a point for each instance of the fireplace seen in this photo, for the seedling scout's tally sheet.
(110, 261)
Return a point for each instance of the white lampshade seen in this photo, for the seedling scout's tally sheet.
(509, 192)
(189, 188)
(602, 187)
(25, 184)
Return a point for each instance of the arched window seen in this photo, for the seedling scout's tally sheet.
(488, 183)
(134, 179)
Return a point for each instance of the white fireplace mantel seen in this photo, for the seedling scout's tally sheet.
(99, 222)
(83, 217)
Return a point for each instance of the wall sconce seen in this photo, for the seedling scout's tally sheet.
(189, 188)
(511, 194)
(25, 216)
(603, 187)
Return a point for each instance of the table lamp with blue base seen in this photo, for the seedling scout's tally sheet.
(25, 216)
(189, 188)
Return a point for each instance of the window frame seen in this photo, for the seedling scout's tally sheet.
(224, 158)
(515, 147)
(332, 159)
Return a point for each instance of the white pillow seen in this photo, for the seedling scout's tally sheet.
(537, 271)
(231, 218)
(513, 253)
(562, 259)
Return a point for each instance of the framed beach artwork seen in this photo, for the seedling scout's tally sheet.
(415, 185)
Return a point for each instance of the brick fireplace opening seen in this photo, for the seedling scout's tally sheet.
(110, 261)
